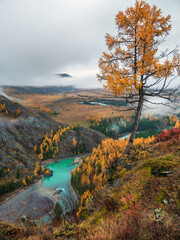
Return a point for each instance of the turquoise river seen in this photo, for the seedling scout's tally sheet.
(61, 175)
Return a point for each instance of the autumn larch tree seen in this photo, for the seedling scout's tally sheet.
(135, 68)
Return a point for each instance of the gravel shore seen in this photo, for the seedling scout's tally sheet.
(33, 202)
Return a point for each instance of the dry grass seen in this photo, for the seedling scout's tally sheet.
(69, 109)
(127, 212)
(75, 112)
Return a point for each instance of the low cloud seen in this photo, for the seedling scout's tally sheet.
(40, 38)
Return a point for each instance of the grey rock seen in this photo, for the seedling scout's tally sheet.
(165, 202)
(20, 166)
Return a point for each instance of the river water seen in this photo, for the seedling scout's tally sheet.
(61, 176)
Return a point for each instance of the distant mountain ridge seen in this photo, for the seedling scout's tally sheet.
(19, 90)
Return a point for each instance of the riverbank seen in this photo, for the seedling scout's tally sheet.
(78, 157)
(56, 160)
(73, 193)
(33, 202)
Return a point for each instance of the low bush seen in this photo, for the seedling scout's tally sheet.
(173, 134)
(160, 164)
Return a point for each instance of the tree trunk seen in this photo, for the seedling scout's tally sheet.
(137, 118)
(135, 127)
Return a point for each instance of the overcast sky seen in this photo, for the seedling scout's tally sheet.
(39, 38)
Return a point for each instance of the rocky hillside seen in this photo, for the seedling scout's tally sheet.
(86, 139)
(21, 129)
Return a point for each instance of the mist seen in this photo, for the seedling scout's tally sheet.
(40, 38)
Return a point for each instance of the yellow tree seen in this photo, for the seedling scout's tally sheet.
(177, 125)
(18, 111)
(37, 166)
(134, 67)
(35, 148)
(74, 142)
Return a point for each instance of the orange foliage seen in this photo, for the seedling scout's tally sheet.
(49, 146)
(2, 107)
(133, 52)
(24, 182)
(177, 125)
(87, 118)
(74, 142)
(91, 176)
(35, 148)
(18, 111)
(36, 169)
(45, 109)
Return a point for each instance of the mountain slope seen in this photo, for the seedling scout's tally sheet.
(19, 133)
(22, 128)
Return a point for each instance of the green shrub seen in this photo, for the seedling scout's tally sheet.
(58, 212)
(17, 174)
(2, 172)
(160, 164)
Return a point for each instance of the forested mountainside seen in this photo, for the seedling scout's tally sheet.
(142, 202)
(22, 128)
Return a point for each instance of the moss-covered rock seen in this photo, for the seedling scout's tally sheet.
(160, 165)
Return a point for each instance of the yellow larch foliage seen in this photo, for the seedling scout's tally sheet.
(172, 118)
(2, 107)
(35, 148)
(45, 109)
(49, 145)
(18, 111)
(37, 166)
(47, 171)
(133, 52)
(92, 171)
(35, 172)
(177, 125)
(36, 169)
(24, 182)
(87, 117)
(74, 142)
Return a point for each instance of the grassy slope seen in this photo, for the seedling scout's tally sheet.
(140, 205)
(127, 211)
